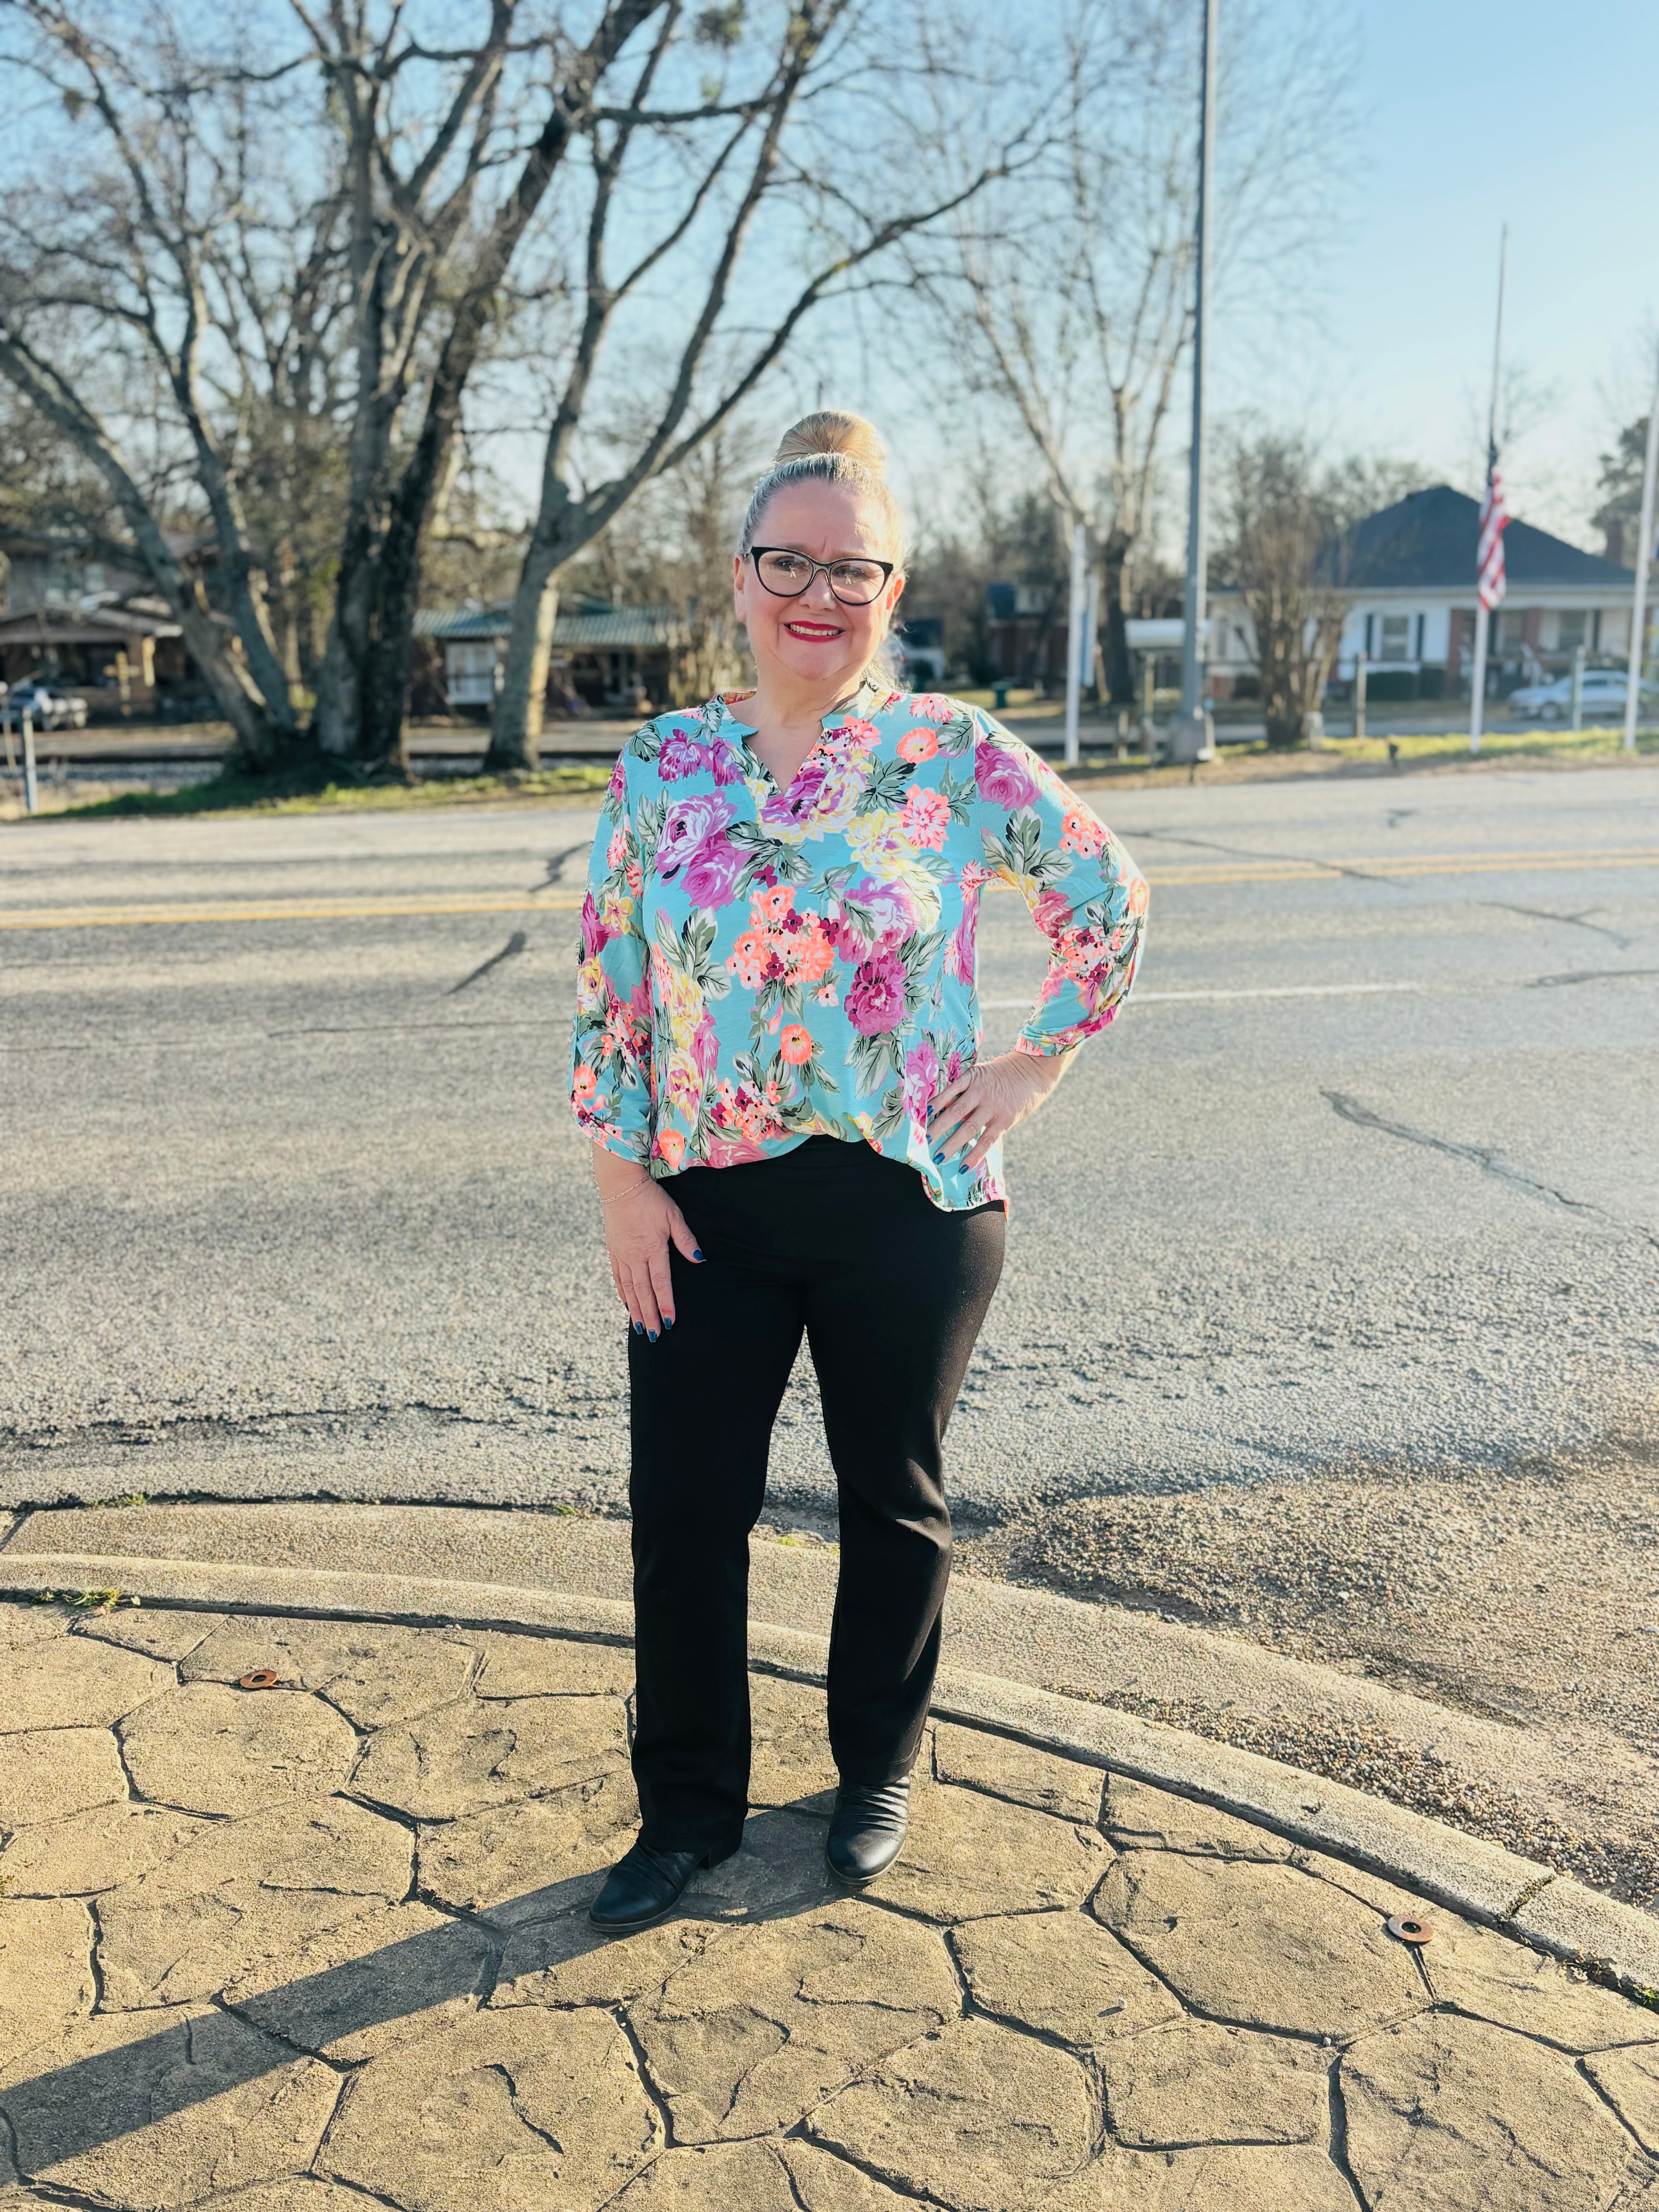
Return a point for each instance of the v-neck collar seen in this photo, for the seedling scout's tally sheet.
(737, 734)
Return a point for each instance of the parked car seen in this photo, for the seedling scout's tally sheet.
(1604, 694)
(48, 707)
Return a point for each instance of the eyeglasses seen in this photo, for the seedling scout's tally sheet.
(787, 574)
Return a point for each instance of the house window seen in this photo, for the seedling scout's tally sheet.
(1396, 637)
(1570, 634)
(471, 670)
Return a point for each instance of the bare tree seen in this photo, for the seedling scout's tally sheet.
(118, 275)
(807, 144)
(302, 223)
(1284, 550)
(1068, 303)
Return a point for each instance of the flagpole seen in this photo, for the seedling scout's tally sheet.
(1639, 613)
(1482, 612)
(1192, 735)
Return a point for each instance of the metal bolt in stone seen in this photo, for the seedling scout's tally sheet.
(1414, 1932)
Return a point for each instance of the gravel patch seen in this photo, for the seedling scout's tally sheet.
(1527, 1593)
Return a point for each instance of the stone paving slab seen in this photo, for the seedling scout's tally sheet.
(300, 1948)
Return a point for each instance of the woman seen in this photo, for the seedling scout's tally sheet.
(776, 1055)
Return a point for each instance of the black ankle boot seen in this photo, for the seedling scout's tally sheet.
(645, 1884)
(866, 1830)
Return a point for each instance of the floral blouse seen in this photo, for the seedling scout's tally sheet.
(762, 966)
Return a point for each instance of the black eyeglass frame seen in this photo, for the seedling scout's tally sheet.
(823, 568)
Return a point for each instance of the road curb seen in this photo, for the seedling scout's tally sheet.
(1553, 1913)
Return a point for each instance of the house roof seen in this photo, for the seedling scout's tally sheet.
(592, 628)
(1427, 541)
(69, 625)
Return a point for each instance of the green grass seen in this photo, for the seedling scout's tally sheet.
(1428, 750)
(1450, 746)
(231, 792)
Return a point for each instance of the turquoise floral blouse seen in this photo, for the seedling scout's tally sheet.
(762, 966)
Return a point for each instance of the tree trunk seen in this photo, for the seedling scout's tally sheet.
(1117, 675)
(515, 733)
(260, 745)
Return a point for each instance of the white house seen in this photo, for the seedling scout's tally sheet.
(1409, 573)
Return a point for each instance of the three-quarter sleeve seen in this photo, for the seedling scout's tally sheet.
(1086, 893)
(611, 1081)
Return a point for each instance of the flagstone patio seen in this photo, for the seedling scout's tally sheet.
(293, 1949)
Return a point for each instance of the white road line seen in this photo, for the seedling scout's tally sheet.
(1271, 991)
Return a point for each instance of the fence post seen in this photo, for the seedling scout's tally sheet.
(1577, 709)
(1361, 670)
(31, 795)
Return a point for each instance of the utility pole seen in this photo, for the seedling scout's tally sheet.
(1075, 630)
(1639, 613)
(1192, 735)
(1484, 603)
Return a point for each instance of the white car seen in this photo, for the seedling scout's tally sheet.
(1604, 692)
(48, 707)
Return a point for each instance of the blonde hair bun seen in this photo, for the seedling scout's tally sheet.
(830, 431)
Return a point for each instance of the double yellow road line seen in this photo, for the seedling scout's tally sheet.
(185, 912)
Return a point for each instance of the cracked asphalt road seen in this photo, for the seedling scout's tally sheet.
(292, 1205)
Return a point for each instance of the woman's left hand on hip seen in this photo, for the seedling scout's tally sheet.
(972, 1114)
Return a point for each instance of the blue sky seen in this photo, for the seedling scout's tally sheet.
(1476, 112)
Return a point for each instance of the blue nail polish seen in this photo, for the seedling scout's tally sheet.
(652, 1334)
(668, 1323)
(697, 1256)
(639, 1329)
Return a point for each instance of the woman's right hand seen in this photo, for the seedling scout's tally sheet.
(640, 1222)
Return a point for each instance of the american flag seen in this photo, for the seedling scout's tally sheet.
(1488, 559)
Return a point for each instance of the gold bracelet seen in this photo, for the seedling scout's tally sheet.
(642, 1184)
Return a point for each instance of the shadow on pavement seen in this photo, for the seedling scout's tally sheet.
(143, 2078)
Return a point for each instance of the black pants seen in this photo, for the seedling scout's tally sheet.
(835, 1240)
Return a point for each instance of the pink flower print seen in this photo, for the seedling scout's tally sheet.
(920, 1081)
(1004, 780)
(925, 819)
(1080, 832)
(670, 1145)
(891, 915)
(705, 1045)
(917, 746)
(931, 707)
(727, 767)
(875, 997)
(617, 846)
(595, 935)
(1052, 913)
(959, 946)
(680, 756)
(826, 996)
(687, 824)
(618, 787)
(711, 874)
(785, 808)
(858, 730)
